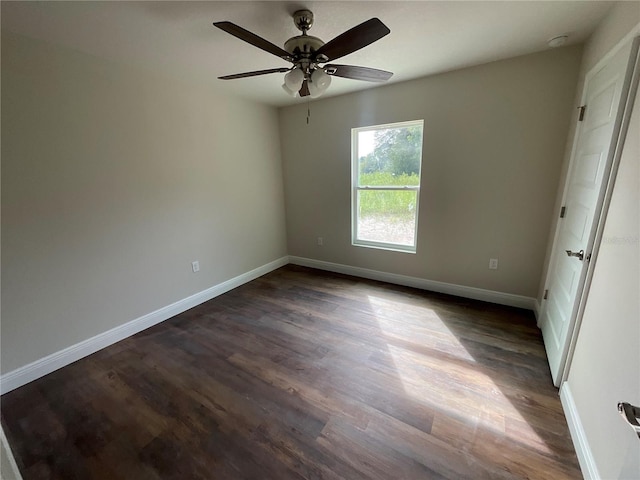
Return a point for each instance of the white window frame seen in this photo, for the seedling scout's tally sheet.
(355, 188)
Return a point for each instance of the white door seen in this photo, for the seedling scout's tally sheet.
(588, 174)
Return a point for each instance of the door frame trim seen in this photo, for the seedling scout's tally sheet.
(628, 93)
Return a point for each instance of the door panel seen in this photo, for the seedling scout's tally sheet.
(576, 227)
(566, 282)
(588, 168)
(602, 104)
(557, 320)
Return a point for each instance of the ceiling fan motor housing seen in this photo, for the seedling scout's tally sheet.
(302, 44)
(303, 47)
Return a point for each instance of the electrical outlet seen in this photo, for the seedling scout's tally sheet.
(195, 266)
(320, 241)
(493, 264)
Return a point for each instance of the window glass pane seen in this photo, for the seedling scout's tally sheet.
(389, 156)
(387, 216)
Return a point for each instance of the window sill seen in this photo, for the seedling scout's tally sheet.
(386, 246)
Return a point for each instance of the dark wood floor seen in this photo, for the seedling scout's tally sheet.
(304, 374)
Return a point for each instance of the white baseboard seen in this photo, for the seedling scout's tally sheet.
(491, 296)
(50, 363)
(578, 435)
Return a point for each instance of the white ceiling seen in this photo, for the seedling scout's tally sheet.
(426, 37)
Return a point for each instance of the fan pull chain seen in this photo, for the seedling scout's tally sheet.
(308, 112)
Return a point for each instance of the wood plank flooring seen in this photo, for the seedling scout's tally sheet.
(304, 374)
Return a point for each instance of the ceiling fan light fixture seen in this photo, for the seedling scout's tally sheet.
(320, 79)
(293, 79)
(293, 93)
(314, 91)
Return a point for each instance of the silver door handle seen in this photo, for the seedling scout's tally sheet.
(579, 254)
(631, 414)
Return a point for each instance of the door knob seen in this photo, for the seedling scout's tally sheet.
(631, 414)
(579, 254)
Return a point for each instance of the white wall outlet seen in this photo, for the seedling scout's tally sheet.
(493, 264)
(320, 241)
(195, 266)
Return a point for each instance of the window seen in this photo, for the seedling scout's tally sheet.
(386, 161)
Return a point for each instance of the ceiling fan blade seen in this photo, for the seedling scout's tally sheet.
(358, 73)
(253, 74)
(304, 90)
(253, 39)
(358, 37)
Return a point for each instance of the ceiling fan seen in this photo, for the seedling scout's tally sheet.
(307, 77)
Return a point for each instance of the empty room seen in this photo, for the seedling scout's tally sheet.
(320, 240)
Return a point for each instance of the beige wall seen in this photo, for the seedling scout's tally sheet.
(113, 180)
(494, 139)
(604, 370)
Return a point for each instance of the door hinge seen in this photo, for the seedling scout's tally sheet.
(581, 114)
(546, 295)
(563, 211)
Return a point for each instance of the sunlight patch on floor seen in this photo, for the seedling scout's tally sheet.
(456, 382)
(420, 325)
